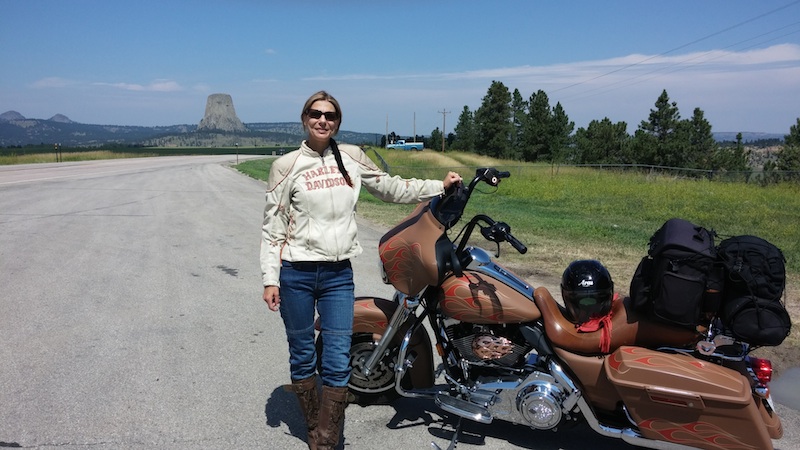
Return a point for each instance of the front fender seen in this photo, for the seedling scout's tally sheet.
(372, 314)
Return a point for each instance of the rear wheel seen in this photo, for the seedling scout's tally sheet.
(378, 387)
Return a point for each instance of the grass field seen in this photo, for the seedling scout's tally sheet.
(568, 213)
(45, 153)
(37, 158)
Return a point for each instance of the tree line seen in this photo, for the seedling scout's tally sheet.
(508, 126)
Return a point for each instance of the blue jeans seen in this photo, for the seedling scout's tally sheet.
(329, 288)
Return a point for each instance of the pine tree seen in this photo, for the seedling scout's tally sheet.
(519, 116)
(493, 122)
(789, 156)
(662, 124)
(435, 141)
(537, 128)
(703, 144)
(560, 133)
(601, 142)
(465, 131)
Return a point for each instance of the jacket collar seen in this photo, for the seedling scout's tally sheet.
(308, 151)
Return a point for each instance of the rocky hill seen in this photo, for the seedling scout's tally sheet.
(220, 127)
(18, 131)
(221, 115)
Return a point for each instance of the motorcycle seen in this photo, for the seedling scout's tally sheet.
(509, 353)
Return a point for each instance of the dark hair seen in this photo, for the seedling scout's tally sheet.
(339, 163)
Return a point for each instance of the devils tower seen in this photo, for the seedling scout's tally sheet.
(220, 115)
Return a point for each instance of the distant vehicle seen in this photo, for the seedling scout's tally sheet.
(403, 145)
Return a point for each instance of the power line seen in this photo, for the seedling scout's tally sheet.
(752, 19)
(655, 72)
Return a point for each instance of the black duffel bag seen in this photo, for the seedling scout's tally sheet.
(756, 321)
(755, 278)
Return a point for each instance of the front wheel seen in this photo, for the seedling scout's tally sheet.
(378, 387)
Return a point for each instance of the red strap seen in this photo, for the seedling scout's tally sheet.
(603, 324)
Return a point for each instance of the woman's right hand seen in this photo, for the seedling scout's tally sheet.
(272, 297)
(451, 179)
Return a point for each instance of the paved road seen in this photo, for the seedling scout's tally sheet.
(131, 318)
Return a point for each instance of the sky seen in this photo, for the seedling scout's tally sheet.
(404, 66)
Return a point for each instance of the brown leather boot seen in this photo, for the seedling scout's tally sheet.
(331, 417)
(306, 391)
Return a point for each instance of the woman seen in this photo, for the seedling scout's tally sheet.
(309, 235)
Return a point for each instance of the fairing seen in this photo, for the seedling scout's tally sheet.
(409, 251)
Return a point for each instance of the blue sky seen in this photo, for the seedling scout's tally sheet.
(403, 62)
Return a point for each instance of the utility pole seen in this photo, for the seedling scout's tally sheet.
(415, 126)
(444, 114)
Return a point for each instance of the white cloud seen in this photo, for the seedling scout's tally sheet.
(155, 86)
(751, 89)
(625, 67)
(51, 82)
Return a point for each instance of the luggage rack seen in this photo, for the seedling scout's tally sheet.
(716, 345)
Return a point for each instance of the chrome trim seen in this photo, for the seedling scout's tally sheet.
(574, 393)
(406, 305)
(384, 277)
(628, 435)
(463, 408)
(761, 391)
(714, 354)
(403, 364)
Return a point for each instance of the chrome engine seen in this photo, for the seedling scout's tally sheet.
(484, 343)
(541, 400)
(508, 380)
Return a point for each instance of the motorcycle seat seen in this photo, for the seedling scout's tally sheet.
(627, 328)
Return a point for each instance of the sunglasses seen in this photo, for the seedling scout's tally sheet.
(316, 114)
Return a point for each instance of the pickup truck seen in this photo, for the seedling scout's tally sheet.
(403, 145)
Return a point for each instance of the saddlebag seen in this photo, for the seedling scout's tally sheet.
(681, 399)
(678, 280)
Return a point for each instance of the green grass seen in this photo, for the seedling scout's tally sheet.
(256, 168)
(45, 153)
(567, 213)
(36, 158)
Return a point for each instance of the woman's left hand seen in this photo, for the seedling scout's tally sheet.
(451, 179)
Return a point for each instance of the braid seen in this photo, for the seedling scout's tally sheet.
(339, 163)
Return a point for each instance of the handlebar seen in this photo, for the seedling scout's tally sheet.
(489, 175)
(518, 246)
(449, 209)
(496, 232)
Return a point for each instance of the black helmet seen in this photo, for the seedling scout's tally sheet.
(587, 290)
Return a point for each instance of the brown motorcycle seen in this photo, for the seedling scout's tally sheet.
(508, 352)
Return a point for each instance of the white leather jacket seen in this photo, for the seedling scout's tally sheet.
(310, 213)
